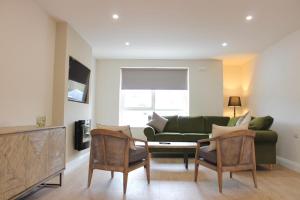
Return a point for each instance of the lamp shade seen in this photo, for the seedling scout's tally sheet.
(234, 101)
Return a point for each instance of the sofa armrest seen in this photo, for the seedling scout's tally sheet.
(268, 136)
(149, 132)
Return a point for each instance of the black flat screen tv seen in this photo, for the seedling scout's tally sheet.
(78, 83)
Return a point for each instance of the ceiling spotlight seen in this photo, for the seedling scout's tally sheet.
(115, 16)
(224, 44)
(127, 43)
(249, 17)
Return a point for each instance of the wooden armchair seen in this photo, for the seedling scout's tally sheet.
(110, 151)
(234, 152)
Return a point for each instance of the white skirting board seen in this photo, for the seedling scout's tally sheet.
(288, 164)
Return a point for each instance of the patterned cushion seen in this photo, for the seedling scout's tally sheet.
(158, 122)
(209, 156)
(137, 155)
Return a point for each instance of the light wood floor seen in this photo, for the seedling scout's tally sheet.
(170, 180)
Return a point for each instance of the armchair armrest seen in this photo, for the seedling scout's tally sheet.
(149, 132)
(141, 140)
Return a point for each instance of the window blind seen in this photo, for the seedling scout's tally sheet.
(154, 79)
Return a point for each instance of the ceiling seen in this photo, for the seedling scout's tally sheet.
(178, 29)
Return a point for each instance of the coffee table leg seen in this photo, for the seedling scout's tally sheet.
(186, 160)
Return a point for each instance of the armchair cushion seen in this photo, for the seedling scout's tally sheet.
(209, 156)
(137, 155)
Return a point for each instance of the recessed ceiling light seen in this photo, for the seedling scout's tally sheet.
(115, 16)
(249, 17)
(224, 44)
(127, 43)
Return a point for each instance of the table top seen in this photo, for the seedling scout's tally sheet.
(168, 144)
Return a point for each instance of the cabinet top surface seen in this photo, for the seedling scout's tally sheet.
(20, 129)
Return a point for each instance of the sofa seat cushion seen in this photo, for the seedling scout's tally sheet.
(266, 136)
(137, 155)
(191, 124)
(169, 137)
(209, 156)
(193, 137)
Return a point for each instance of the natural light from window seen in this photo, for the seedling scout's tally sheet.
(137, 105)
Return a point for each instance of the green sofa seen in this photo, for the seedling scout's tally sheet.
(191, 129)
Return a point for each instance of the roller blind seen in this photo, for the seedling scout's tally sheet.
(154, 79)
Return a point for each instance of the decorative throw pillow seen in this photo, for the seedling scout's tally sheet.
(125, 129)
(233, 121)
(245, 119)
(223, 130)
(158, 122)
(261, 123)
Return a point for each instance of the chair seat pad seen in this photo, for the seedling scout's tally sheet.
(137, 155)
(209, 156)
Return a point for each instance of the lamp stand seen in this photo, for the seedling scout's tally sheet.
(234, 111)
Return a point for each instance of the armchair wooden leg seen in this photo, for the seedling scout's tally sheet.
(125, 176)
(147, 166)
(196, 171)
(90, 177)
(230, 174)
(220, 180)
(254, 177)
(112, 174)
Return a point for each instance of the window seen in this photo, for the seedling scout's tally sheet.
(147, 90)
(137, 105)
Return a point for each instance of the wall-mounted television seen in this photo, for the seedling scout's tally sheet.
(78, 83)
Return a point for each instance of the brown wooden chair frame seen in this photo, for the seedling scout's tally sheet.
(220, 167)
(125, 168)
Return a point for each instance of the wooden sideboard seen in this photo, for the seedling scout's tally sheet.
(29, 156)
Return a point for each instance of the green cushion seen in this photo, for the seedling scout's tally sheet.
(233, 121)
(191, 124)
(193, 137)
(172, 124)
(261, 123)
(218, 120)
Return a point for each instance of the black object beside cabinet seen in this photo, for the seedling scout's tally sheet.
(82, 134)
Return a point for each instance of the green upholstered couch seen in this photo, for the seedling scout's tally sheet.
(191, 129)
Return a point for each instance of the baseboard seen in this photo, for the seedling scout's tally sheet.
(288, 164)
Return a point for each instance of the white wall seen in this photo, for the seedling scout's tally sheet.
(27, 42)
(70, 43)
(205, 85)
(274, 90)
(79, 49)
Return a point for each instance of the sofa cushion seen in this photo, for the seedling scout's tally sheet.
(209, 156)
(137, 155)
(261, 123)
(172, 124)
(169, 137)
(218, 120)
(233, 121)
(157, 122)
(191, 124)
(193, 137)
(263, 136)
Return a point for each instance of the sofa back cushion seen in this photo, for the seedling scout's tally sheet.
(218, 120)
(191, 124)
(172, 124)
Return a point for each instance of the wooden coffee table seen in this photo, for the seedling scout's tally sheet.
(171, 145)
